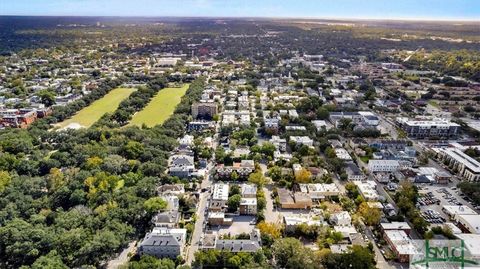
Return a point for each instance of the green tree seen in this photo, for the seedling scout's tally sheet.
(291, 253)
(233, 202)
(234, 189)
(147, 262)
(133, 149)
(154, 204)
(371, 216)
(257, 178)
(46, 97)
(5, 180)
(50, 261)
(357, 258)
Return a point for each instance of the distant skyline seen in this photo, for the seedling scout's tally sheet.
(336, 9)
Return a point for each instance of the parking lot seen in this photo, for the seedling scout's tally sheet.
(433, 198)
(241, 224)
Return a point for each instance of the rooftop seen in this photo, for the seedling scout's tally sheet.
(220, 191)
(463, 158)
(461, 210)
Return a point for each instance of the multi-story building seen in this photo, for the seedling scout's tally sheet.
(219, 196)
(360, 117)
(383, 165)
(163, 242)
(302, 140)
(248, 206)
(200, 125)
(211, 241)
(396, 225)
(292, 222)
(243, 169)
(341, 218)
(249, 191)
(319, 191)
(297, 200)
(461, 163)
(368, 189)
(353, 172)
(400, 244)
(182, 166)
(272, 125)
(205, 110)
(437, 128)
(280, 143)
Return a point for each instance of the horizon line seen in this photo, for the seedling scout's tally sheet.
(258, 17)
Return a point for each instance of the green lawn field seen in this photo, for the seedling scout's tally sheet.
(90, 114)
(160, 108)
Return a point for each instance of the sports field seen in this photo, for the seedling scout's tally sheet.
(90, 114)
(160, 108)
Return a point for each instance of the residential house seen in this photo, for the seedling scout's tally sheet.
(249, 190)
(182, 166)
(163, 242)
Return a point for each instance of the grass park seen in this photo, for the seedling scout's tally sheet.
(92, 113)
(160, 108)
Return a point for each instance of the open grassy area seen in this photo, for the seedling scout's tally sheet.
(433, 103)
(90, 114)
(160, 107)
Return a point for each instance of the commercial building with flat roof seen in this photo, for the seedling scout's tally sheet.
(400, 244)
(469, 223)
(439, 128)
(383, 165)
(319, 191)
(396, 225)
(452, 210)
(457, 160)
(219, 196)
(368, 189)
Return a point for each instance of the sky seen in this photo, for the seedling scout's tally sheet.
(361, 9)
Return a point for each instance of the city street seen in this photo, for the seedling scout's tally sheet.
(199, 224)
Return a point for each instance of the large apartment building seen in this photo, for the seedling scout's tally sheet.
(204, 110)
(436, 128)
(461, 163)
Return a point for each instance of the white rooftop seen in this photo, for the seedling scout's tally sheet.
(396, 225)
(461, 210)
(220, 191)
(472, 243)
(402, 242)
